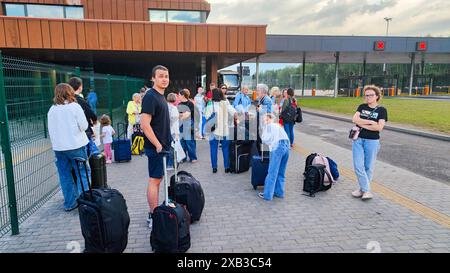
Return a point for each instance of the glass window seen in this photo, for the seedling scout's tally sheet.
(45, 11)
(177, 16)
(231, 80)
(158, 15)
(184, 16)
(74, 12)
(15, 9)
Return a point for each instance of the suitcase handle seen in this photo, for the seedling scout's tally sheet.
(166, 184)
(124, 134)
(79, 161)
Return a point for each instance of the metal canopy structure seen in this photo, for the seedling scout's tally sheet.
(354, 49)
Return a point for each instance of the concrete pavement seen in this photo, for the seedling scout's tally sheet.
(409, 213)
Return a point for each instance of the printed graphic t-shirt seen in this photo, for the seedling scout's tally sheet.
(368, 113)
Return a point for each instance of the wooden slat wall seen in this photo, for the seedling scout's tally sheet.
(134, 10)
(134, 36)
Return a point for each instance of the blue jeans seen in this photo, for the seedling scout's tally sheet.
(274, 183)
(289, 128)
(189, 147)
(64, 163)
(364, 155)
(213, 148)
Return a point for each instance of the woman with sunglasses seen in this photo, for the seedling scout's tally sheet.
(370, 118)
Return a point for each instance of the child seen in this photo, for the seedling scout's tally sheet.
(276, 138)
(107, 133)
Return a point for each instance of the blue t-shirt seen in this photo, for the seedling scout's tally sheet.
(242, 102)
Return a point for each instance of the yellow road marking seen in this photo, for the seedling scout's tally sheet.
(413, 205)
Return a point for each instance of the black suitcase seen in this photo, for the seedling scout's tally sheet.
(97, 162)
(240, 154)
(240, 151)
(187, 190)
(170, 230)
(104, 219)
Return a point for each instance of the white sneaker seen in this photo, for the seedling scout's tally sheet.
(357, 194)
(367, 196)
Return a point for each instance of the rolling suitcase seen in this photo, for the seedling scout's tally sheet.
(104, 218)
(97, 162)
(260, 168)
(122, 146)
(170, 230)
(186, 190)
(240, 153)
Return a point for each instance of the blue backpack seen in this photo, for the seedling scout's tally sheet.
(333, 168)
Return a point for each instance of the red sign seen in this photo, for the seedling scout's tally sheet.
(422, 46)
(380, 45)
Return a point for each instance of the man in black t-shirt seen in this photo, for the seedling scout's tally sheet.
(155, 122)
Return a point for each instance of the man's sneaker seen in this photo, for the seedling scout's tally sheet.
(367, 196)
(149, 220)
(357, 193)
(261, 195)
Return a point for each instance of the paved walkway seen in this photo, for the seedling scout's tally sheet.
(409, 213)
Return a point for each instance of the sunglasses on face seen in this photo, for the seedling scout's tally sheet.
(370, 95)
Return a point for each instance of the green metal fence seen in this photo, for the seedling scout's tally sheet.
(28, 176)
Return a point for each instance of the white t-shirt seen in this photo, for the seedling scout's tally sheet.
(272, 134)
(108, 131)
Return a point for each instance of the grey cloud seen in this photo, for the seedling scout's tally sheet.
(333, 17)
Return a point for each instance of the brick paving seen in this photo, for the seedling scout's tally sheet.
(236, 220)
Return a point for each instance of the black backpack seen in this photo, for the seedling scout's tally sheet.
(289, 113)
(299, 116)
(314, 179)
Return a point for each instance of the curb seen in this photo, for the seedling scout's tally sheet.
(387, 127)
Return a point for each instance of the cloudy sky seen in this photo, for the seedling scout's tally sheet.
(338, 17)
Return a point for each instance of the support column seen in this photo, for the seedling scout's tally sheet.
(336, 83)
(303, 73)
(411, 78)
(240, 76)
(257, 70)
(422, 67)
(211, 70)
(364, 72)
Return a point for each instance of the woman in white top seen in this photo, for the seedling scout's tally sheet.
(276, 138)
(66, 127)
(217, 112)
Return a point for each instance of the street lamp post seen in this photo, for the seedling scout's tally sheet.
(387, 19)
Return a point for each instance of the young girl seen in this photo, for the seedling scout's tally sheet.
(276, 138)
(107, 133)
